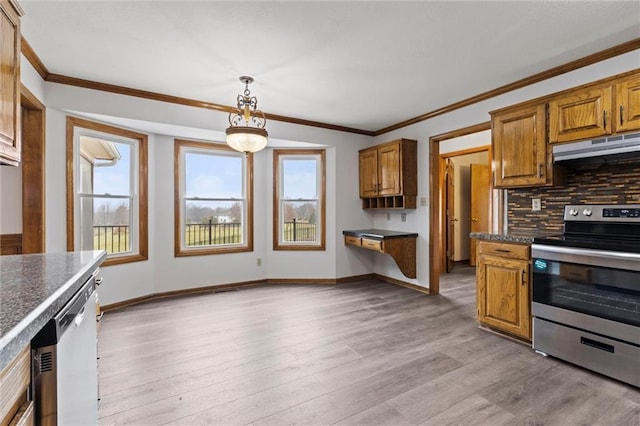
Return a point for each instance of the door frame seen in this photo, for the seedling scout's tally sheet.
(33, 122)
(443, 192)
(436, 219)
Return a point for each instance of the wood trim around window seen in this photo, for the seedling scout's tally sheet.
(276, 199)
(178, 251)
(143, 196)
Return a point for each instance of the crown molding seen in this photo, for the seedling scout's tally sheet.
(611, 52)
(33, 58)
(536, 78)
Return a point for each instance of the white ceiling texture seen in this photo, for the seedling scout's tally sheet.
(361, 64)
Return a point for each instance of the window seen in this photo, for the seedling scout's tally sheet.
(106, 190)
(299, 199)
(214, 189)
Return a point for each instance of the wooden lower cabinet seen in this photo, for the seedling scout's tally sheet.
(15, 406)
(503, 288)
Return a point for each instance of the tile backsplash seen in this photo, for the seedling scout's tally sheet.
(609, 183)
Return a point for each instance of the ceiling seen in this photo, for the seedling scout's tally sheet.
(360, 64)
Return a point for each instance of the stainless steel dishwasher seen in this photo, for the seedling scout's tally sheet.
(64, 368)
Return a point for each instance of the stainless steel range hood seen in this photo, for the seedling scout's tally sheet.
(602, 150)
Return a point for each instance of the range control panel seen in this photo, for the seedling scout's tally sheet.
(602, 213)
(621, 213)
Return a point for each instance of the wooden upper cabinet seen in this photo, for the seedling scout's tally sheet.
(390, 169)
(520, 148)
(627, 101)
(581, 114)
(10, 83)
(389, 175)
(368, 165)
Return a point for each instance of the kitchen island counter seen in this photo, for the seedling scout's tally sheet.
(33, 288)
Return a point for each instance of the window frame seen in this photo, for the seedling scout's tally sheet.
(321, 174)
(182, 146)
(140, 247)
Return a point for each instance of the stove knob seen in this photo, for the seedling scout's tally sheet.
(573, 212)
(587, 212)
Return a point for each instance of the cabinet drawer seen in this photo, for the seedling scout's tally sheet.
(512, 251)
(354, 241)
(14, 380)
(372, 244)
(24, 416)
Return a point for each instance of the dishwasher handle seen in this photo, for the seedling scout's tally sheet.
(80, 317)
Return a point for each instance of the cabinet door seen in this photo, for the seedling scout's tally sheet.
(368, 165)
(503, 294)
(628, 105)
(389, 170)
(519, 146)
(10, 86)
(580, 115)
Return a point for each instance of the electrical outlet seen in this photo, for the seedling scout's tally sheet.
(536, 205)
(403, 217)
(259, 262)
(388, 216)
(423, 201)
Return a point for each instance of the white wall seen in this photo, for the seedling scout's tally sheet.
(11, 177)
(418, 220)
(10, 200)
(163, 272)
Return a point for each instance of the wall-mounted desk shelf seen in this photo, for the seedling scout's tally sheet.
(401, 246)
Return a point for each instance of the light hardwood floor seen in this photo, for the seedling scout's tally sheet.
(368, 353)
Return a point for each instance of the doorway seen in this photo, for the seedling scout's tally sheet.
(437, 249)
(466, 203)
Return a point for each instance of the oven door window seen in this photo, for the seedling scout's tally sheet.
(608, 293)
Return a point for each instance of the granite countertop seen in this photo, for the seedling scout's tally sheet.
(523, 237)
(33, 288)
(379, 234)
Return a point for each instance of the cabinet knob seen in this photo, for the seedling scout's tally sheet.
(474, 219)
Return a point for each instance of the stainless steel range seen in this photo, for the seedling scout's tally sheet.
(586, 290)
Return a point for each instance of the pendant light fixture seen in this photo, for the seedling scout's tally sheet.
(246, 132)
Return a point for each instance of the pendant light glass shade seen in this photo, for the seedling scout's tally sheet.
(246, 132)
(246, 139)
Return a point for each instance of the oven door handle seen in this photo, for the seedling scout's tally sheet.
(604, 258)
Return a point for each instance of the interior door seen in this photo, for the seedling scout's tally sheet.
(480, 203)
(450, 209)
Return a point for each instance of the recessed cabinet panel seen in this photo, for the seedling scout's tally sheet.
(628, 105)
(369, 173)
(581, 114)
(519, 146)
(518, 134)
(10, 87)
(389, 169)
